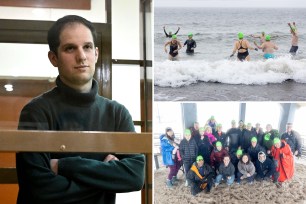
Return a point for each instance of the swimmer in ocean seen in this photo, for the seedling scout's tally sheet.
(242, 46)
(294, 39)
(170, 33)
(191, 44)
(175, 46)
(268, 47)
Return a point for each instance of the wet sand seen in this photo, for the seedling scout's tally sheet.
(293, 191)
(208, 91)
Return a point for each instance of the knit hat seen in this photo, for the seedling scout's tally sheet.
(168, 129)
(199, 158)
(202, 129)
(276, 140)
(187, 132)
(239, 152)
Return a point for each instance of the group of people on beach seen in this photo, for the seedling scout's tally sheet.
(210, 156)
(241, 46)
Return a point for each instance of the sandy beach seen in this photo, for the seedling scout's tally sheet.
(286, 91)
(293, 191)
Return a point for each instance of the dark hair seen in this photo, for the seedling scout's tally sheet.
(56, 29)
(248, 158)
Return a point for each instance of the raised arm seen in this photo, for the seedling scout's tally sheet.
(178, 29)
(165, 32)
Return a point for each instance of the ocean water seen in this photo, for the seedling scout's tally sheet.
(215, 31)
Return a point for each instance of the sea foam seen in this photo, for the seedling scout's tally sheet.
(182, 73)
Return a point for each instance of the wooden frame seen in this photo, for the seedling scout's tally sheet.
(59, 4)
(77, 141)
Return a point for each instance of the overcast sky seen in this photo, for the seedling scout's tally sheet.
(231, 3)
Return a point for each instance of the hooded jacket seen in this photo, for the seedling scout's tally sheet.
(264, 168)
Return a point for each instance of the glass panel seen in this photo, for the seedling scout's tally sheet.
(167, 114)
(263, 113)
(224, 113)
(26, 60)
(125, 29)
(133, 197)
(126, 88)
(96, 14)
(299, 120)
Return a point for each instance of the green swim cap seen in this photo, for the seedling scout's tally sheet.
(276, 140)
(267, 136)
(239, 152)
(201, 129)
(199, 158)
(218, 144)
(240, 35)
(187, 132)
(268, 37)
(174, 37)
(254, 139)
(190, 34)
(212, 117)
(219, 125)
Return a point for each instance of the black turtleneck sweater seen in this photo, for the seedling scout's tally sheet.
(82, 178)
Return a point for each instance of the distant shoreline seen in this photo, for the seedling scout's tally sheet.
(209, 91)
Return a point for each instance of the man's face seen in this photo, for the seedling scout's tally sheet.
(268, 128)
(289, 128)
(257, 126)
(196, 126)
(187, 136)
(200, 163)
(249, 127)
(262, 157)
(76, 56)
(219, 148)
(254, 144)
(219, 128)
(226, 161)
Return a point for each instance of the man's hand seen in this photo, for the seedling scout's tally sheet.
(54, 166)
(296, 153)
(110, 157)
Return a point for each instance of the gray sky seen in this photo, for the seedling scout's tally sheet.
(232, 3)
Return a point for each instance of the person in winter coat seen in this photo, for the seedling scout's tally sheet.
(188, 151)
(259, 133)
(208, 133)
(285, 165)
(217, 156)
(245, 140)
(266, 170)
(268, 138)
(233, 135)
(205, 146)
(246, 169)
(221, 136)
(169, 150)
(254, 149)
(212, 123)
(293, 139)
(226, 171)
(195, 134)
(201, 176)
(235, 158)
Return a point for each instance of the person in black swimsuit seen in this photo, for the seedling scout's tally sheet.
(175, 46)
(191, 44)
(242, 47)
(170, 33)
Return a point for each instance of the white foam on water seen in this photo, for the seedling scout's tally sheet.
(183, 73)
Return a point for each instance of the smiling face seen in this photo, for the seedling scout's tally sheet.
(76, 57)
